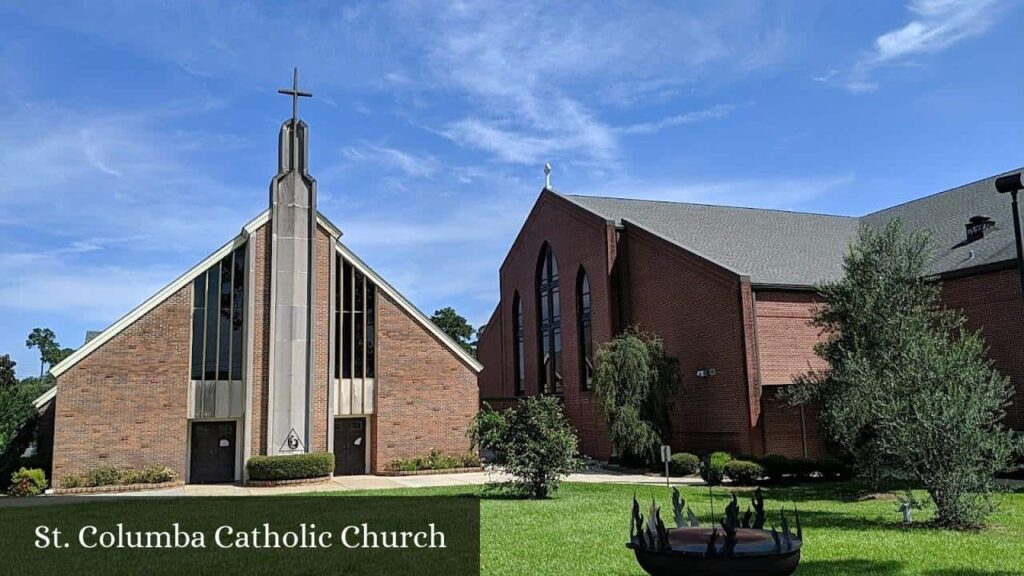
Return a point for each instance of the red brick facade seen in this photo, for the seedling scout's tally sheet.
(754, 338)
(126, 402)
(426, 396)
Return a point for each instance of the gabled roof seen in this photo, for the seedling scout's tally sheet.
(776, 247)
(770, 246)
(186, 278)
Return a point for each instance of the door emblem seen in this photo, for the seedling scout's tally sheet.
(359, 441)
(224, 443)
(291, 443)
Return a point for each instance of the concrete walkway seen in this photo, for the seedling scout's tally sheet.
(366, 482)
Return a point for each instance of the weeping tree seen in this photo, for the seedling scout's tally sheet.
(909, 389)
(634, 382)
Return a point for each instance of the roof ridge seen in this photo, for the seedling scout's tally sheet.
(939, 193)
(707, 205)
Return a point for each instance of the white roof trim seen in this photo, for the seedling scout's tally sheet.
(179, 283)
(328, 225)
(410, 308)
(45, 397)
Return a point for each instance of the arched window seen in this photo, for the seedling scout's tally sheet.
(586, 343)
(518, 338)
(550, 323)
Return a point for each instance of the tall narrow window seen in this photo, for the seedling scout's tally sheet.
(355, 323)
(218, 356)
(550, 323)
(586, 343)
(518, 337)
(218, 311)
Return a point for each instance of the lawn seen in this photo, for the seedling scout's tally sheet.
(583, 529)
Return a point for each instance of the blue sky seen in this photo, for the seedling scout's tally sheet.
(140, 136)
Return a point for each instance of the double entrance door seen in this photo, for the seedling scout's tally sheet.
(349, 446)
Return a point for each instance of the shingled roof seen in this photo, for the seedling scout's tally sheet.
(776, 247)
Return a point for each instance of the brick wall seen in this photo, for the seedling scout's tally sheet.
(696, 307)
(784, 434)
(259, 364)
(126, 403)
(490, 353)
(992, 302)
(785, 337)
(322, 372)
(579, 239)
(426, 396)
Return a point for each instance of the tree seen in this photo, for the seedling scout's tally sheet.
(7, 377)
(533, 443)
(45, 341)
(908, 388)
(460, 330)
(16, 409)
(634, 382)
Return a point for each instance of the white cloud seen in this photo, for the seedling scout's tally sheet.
(936, 25)
(410, 164)
(714, 113)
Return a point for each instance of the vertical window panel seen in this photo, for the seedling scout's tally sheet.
(198, 325)
(549, 322)
(583, 330)
(357, 331)
(519, 361)
(237, 313)
(212, 322)
(224, 334)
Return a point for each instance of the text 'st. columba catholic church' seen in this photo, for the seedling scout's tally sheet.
(282, 341)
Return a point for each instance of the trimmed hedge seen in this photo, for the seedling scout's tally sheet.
(290, 467)
(802, 468)
(744, 472)
(27, 482)
(684, 464)
(712, 467)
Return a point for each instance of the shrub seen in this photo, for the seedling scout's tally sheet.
(712, 467)
(684, 464)
(290, 467)
(833, 469)
(27, 482)
(802, 468)
(536, 446)
(744, 472)
(776, 466)
(488, 428)
(119, 476)
(436, 461)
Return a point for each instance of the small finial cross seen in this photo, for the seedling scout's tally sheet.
(547, 175)
(295, 93)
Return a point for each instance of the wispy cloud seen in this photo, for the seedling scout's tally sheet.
(409, 163)
(713, 113)
(935, 26)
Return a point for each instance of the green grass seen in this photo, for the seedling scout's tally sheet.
(583, 529)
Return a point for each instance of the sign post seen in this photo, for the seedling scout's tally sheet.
(666, 457)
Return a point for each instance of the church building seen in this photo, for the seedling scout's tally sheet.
(281, 341)
(731, 292)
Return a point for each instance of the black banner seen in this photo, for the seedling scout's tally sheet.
(242, 535)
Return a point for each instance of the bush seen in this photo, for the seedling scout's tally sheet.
(290, 467)
(119, 476)
(436, 461)
(744, 472)
(802, 468)
(536, 446)
(833, 469)
(487, 428)
(712, 467)
(684, 464)
(27, 482)
(776, 466)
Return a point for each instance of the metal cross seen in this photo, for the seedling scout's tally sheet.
(295, 93)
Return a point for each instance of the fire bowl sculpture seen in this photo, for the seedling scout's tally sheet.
(738, 547)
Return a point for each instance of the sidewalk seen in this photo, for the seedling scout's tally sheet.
(348, 483)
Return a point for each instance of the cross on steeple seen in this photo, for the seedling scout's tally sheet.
(295, 93)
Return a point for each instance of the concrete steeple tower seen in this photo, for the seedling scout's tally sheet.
(293, 229)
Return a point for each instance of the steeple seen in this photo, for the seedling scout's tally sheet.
(292, 290)
(293, 145)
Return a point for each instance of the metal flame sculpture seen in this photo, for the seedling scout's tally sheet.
(736, 546)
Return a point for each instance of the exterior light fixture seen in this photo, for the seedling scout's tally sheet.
(1011, 184)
